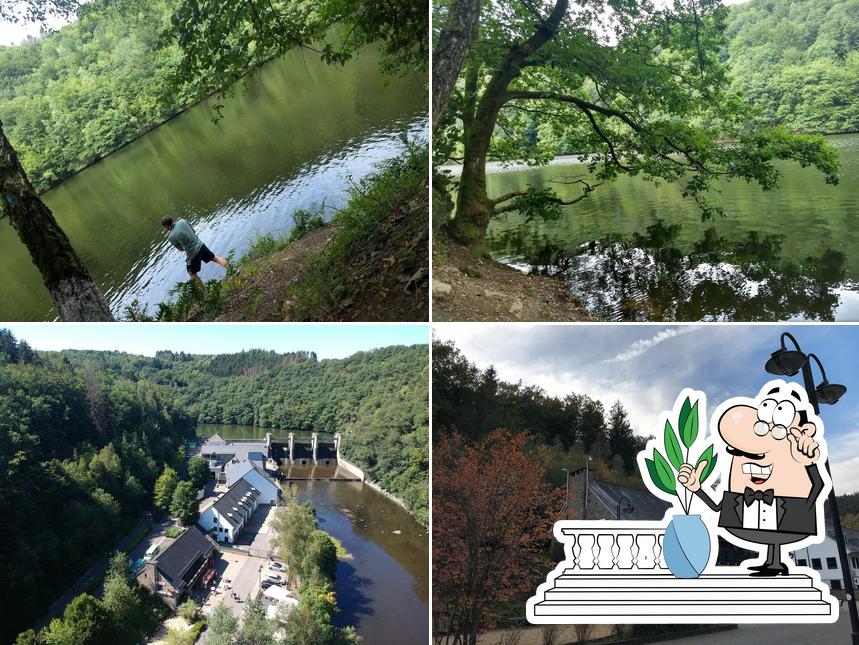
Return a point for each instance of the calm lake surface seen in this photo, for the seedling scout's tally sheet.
(634, 251)
(384, 588)
(290, 142)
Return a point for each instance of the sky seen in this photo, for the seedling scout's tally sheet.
(646, 366)
(327, 340)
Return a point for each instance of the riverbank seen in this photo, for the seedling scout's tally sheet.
(466, 288)
(368, 262)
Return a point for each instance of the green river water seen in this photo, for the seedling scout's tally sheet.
(634, 251)
(292, 141)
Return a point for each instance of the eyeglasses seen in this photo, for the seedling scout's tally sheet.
(778, 432)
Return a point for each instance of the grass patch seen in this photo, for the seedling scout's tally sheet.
(173, 532)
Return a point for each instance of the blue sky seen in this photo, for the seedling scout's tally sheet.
(646, 366)
(327, 340)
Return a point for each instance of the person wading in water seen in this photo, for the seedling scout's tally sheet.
(182, 236)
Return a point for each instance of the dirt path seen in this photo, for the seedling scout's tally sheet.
(467, 289)
(258, 293)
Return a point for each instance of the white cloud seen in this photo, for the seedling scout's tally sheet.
(639, 347)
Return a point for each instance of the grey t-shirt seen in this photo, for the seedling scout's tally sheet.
(183, 237)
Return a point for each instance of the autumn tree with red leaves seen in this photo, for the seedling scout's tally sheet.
(492, 519)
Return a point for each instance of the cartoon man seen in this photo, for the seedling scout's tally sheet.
(774, 481)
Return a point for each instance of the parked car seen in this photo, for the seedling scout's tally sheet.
(276, 566)
(274, 578)
(265, 584)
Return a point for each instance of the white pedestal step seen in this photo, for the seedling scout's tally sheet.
(660, 597)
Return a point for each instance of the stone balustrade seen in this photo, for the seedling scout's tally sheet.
(622, 548)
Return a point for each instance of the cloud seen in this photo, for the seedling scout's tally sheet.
(639, 347)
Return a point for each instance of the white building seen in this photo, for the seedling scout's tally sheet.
(824, 558)
(227, 516)
(252, 473)
(218, 452)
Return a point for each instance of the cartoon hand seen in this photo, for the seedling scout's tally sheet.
(690, 476)
(803, 447)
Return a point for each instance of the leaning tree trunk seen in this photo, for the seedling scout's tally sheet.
(454, 41)
(65, 276)
(474, 208)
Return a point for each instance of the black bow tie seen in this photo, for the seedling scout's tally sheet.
(750, 496)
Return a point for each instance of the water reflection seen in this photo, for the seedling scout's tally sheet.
(650, 277)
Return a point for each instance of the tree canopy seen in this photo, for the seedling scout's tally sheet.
(632, 88)
(797, 62)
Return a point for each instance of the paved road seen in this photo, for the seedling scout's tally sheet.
(838, 632)
(98, 569)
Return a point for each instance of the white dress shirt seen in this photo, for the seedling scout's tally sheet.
(760, 515)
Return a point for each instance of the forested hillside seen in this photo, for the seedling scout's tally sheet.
(80, 450)
(377, 400)
(80, 93)
(474, 402)
(798, 61)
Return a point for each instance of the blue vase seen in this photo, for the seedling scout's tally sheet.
(686, 546)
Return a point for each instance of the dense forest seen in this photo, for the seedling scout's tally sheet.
(377, 400)
(84, 436)
(798, 62)
(80, 451)
(76, 95)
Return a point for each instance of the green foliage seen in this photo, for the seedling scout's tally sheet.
(123, 602)
(377, 400)
(305, 221)
(27, 638)
(78, 94)
(660, 470)
(658, 103)
(184, 503)
(191, 301)
(310, 621)
(475, 402)
(173, 532)
(797, 62)
(309, 553)
(198, 472)
(82, 446)
(185, 636)
(223, 626)
(256, 628)
(85, 620)
(189, 611)
(164, 487)
(220, 39)
(379, 216)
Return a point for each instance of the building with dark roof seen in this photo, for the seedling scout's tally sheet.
(228, 515)
(180, 567)
(256, 476)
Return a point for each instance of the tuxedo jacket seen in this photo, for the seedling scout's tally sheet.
(793, 514)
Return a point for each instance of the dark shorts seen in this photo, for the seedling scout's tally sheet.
(203, 255)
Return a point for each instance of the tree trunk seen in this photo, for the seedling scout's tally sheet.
(74, 293)
(453, 45)
(474, 209)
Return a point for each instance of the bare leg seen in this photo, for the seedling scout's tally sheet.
(221, 261)
(199, 281)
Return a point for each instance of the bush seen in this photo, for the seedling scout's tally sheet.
(185, 636)
(189, 610)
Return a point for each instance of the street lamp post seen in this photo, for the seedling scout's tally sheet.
(786, 362)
